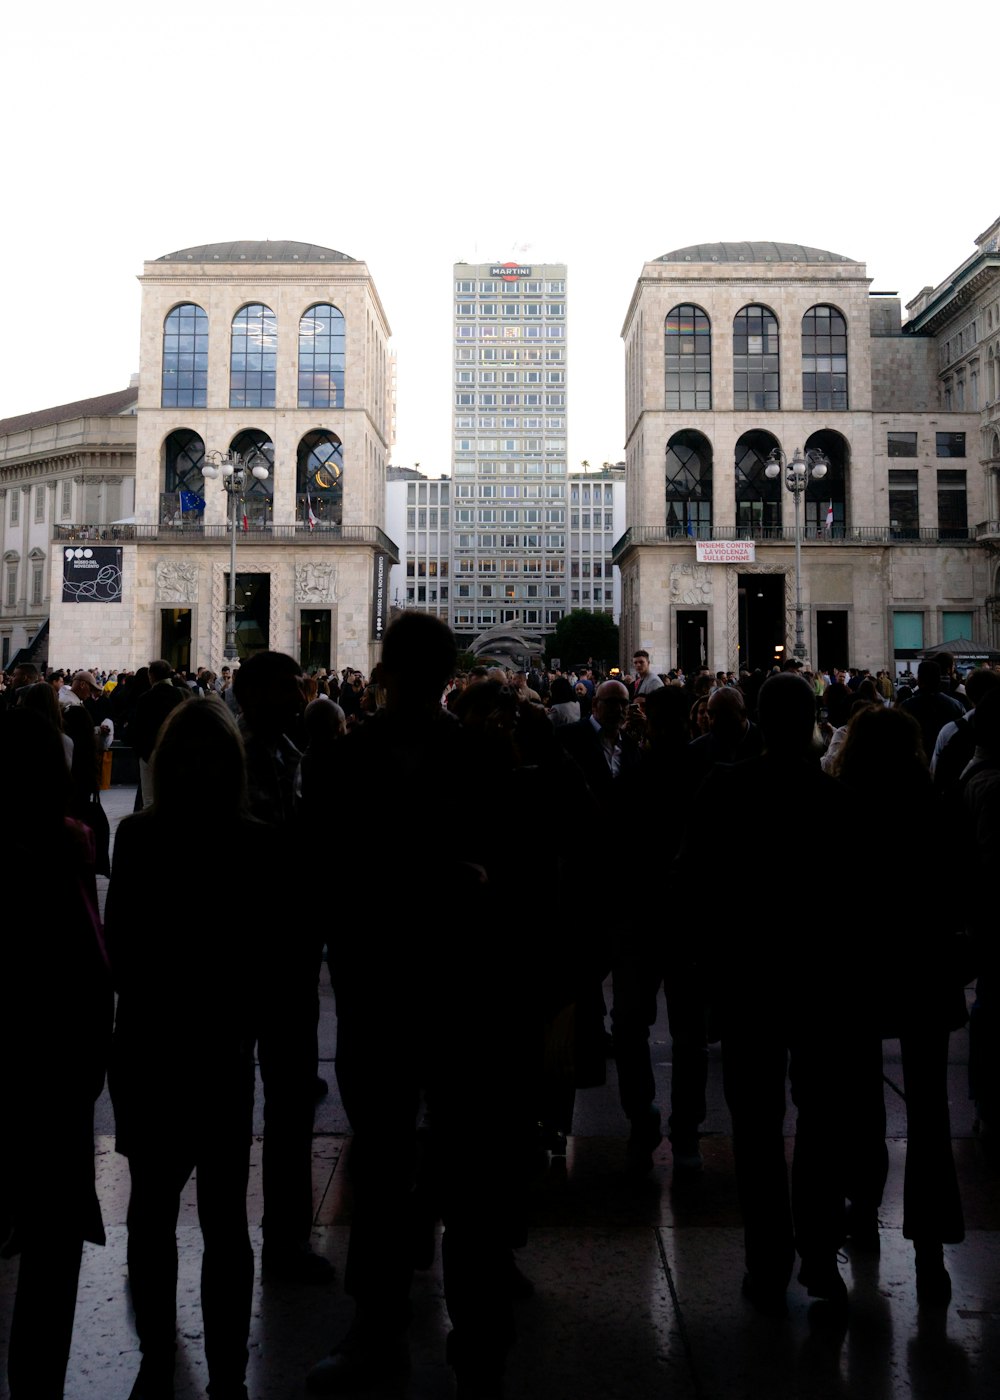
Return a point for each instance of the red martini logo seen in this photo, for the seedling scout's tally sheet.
(510, 272)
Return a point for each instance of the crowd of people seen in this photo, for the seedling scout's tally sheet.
(894, 784)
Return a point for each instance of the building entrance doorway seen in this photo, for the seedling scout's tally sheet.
(175, 637)
(831, 641)
(761, 620)
(253, 612)
(314, 639)
(692, 641)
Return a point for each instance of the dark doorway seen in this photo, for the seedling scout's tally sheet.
(175, 637)
(831, 641)
(692, 641)
(314, 639)
(762, 620)
(253, 613)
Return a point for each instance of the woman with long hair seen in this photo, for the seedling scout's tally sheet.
(183, 1043)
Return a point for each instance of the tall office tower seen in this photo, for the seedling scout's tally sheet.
(509, 491)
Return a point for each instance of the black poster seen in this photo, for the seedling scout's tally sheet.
(380, 596)
(92, 575)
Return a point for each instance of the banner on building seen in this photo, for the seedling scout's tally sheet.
(726, 551)
(92, 575)
(380, 596)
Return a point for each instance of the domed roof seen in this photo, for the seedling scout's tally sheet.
(256, 250)
(756, 252)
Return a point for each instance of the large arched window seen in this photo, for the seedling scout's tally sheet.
(687, 345)
(183, 498)
(184, 381)
(756, 379)
(824, 359)
(758, 500)
(255, 447)
(825, 505)
(253, 358)
(321, 358)
(319, 480)
(689, 485)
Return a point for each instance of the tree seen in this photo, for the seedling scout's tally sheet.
(583, 634)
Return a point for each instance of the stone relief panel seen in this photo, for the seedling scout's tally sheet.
(176, 582)
(315, 583)
(691, 585)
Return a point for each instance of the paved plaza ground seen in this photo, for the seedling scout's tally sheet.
(637, 1288)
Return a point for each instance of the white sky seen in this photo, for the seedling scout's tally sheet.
(415, 136)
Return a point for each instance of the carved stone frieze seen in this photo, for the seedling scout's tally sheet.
(315, 583)
(691, 585)
(176, 582)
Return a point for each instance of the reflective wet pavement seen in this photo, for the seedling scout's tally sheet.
(637, 1288)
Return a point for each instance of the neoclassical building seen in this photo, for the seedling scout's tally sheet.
(733, 350)
(73, 462)
(276, 351)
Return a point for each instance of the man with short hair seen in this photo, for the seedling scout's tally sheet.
(731, 737)
(82, 687)
(930, 706)
(25, 673)
(646, 680)
(598, 745)
(150, 712)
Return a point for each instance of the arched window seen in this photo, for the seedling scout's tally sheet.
(319, 480)
(183, 499)
(256, 447)
(689, 485)
(825, 505)
(184, 382)
(824, 359)
(688, 358)
(756, 378)
(758, 499)
(321, 358)
(253, 358)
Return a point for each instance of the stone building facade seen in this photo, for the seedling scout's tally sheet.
(960, 320)
(57, 466)
(278, 352)
(734, 350)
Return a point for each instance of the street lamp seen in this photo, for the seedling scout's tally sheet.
(803, 468)
(235, 469)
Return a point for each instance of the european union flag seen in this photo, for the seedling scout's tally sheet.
(191, 501)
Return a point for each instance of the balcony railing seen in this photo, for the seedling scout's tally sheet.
(191, 531)
(785, 534)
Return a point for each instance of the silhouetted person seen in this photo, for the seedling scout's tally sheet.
(651, 949)
(55, 1023)
(269, 691)
(182, 1074)
(930, 706)
(783, 998)
(915, 995)
(981, 796)
(151, 710)
(413, 993)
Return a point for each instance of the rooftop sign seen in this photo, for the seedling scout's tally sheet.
(510, 272)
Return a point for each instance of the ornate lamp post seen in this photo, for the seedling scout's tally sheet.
(235, 470)
(803, 468)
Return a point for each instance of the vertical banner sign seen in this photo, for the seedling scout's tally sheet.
(92, 575)
(380, 596)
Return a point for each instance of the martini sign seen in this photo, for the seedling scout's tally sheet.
(509, 272)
